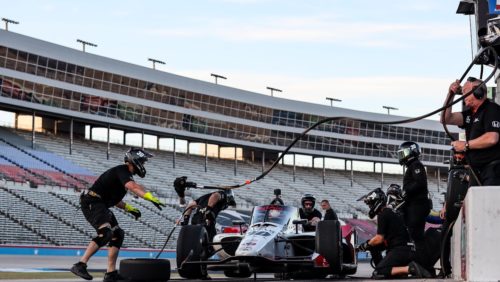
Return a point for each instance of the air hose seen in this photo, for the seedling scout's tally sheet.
(173, 229)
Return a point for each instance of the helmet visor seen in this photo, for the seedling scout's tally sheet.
(403, 153)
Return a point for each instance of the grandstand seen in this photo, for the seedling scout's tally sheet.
(68, 95)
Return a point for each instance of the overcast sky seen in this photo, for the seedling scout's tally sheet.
(368, 53)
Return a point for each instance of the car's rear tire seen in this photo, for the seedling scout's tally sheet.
(192, 246)
(329, 243)
(145, 269)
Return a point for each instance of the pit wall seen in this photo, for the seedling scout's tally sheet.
(475, 242)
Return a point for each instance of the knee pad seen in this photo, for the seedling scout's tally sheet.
(118, 236)
(104, 235)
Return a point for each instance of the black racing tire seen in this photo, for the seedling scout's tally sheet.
(329, 243)
(145, 269)
(192, 246)
(455, 193)
(237, 274)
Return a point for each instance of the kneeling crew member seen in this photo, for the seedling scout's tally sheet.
(107, 191)
(391, 232)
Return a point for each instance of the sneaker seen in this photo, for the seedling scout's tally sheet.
(80, 269)
(417, 271)
(112, 276)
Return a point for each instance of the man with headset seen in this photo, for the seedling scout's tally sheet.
(481, 121)
(108, 191)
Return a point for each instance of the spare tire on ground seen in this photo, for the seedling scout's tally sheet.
(143, 269)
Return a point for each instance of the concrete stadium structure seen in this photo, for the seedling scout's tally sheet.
(72, 93)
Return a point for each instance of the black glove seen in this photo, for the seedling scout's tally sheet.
(208, 214)
(180, 186)
(364, 247)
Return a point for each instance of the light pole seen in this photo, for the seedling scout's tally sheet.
(86, 43)
(155, 61)
(389, 108)
(7, 22)
(333, 100)
(217, 76)
(273, 89)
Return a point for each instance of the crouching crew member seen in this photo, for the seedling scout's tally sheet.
(109, 190)
(391, 233)
(209, 207)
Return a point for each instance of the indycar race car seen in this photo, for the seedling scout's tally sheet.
(274, 242)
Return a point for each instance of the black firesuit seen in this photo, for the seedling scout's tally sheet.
(417, 204)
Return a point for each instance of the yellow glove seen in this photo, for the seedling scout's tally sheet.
(132, 210)
(148, 196)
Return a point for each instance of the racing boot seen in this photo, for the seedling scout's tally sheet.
(112, 276)
(444, 274)
(80, 269)
(378, 276)
(417, 271)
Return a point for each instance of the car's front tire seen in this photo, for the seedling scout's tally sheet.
(192, 246)
(329, 243)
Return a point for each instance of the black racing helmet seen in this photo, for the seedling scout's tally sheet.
(408, 151)
(394, 196)
(308, 198)
(375, 200)
(137, 157)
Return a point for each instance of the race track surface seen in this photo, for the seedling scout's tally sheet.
(22, 263)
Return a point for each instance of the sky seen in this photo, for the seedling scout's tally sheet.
(367, 53)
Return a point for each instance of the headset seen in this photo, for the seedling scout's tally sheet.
(479, 90)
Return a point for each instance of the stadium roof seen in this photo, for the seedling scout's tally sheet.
(48, 49)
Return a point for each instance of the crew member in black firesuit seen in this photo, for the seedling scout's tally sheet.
(209, 207)
(415, 193)
(309, 212)
(107, 191)
(428, 251)
(393, 236)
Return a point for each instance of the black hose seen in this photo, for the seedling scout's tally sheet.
(443, 245)
(173, 228)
